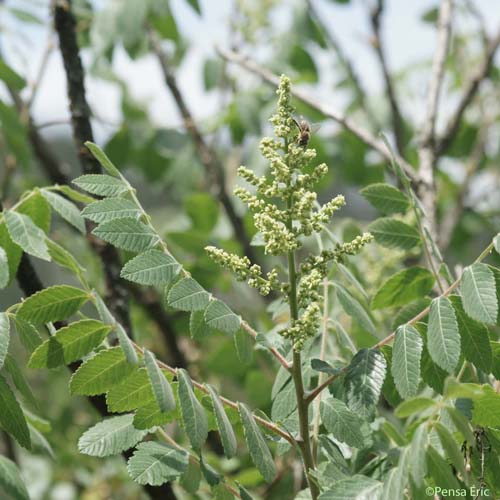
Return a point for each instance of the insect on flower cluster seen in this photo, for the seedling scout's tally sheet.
(286, 211)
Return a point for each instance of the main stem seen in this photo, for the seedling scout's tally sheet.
(304, 440)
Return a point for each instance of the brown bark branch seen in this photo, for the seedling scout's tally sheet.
(208, 157)
(427, 141)
(344, 61)
(470, 91)
(398, 126)
(453, 214)
(64, 21)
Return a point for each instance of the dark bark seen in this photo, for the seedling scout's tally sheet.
(65, 23)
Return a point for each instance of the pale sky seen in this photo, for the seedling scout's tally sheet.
(407, 40)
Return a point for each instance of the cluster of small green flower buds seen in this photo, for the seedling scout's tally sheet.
(244, 270)
(305, 327)
(320, 262)
(285, 210)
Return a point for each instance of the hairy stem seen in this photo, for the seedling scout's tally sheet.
(304, 441)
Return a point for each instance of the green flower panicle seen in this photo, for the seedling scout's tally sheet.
(286, 211)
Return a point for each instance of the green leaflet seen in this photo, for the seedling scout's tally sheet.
(392, 233)
(357, 487)
(27, 334)
(126, 344)
(408, 312)
(193, 415)
(386, 198)
(134, 392)
(103, 159)
(486, 410)
(495, 351)
(157, 463)
(110, 437)
(203, 210)
(244, 346)
(440, 470)
(12, 250)
(197, 325)
(102, 185)
(66, 209)
(226, 431)
(245, 495)
(403, 287)
(257, 446)
(432, 374)
(11, 77)
(418, 451)
(212, 477)
(284, 403)
(363, 381)
(412, 406)
(451, 447)
(406, 355)
(188, 295)
(111, 208)
(62, 257)
(190, 480)
(52, 304)
(4, 269)
(397, 479)
(102, 309)
(151, 268)
(12, 417)
(443, 338)
(11, 481)
(4, 337)
(69, 344)
(36, 207)
(496, 243)
(479, 293)
(161, 388)
(218, 316)
(26, 234)
(17, 377)
(344, 424)
(127, 234)
(354, 309)
(150, 415)
(101, 372)
(473, 336)
(75, 195)
(462, 424)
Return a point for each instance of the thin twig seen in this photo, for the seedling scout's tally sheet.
(49, 47)
(273, 350)
(398, 126)
(330, 112)
(453, 214)
(215, 170)
(427, 147)
(264, 423)
(334, 45)
(470, 90)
